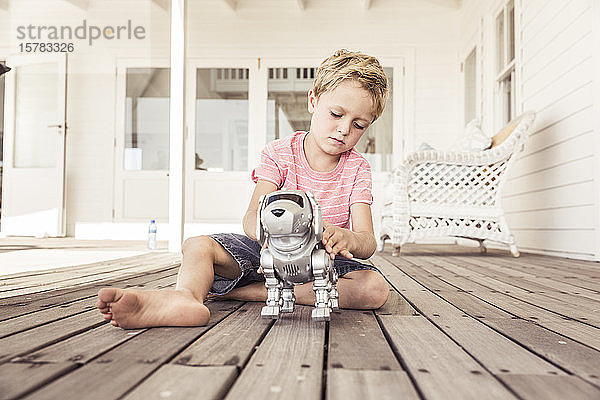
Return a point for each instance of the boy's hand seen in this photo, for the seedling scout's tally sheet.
(337, 241)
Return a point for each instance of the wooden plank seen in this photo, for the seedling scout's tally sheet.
(496, 352)
(116, 372)
(567, 306)
(231, 342)
(84, 347)
(396, 305)
(36, 338)
(529, 282)
(123, 265)
(572, 356)
(24, 304)
(32, 320)
(533, 280)
(181, 382)
(440, 368)
(357, 342)
(553, 387)
(36, 374)
(573, 329)
(530, 264)
(288, 362)
(345, 384)
(70, 280)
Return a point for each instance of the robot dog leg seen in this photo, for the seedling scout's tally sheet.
(289, 300)
(321, 264)
(333, 293)
(271, 310)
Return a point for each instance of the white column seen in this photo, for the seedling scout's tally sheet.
(177, 125)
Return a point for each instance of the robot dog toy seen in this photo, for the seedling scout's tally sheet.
(290, 222)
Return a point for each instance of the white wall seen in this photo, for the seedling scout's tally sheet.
(257, 28)
(275, 28)
(551, 197)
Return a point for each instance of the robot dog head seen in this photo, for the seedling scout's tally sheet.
(286, 217)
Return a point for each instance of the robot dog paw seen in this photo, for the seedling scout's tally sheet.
(287, 307)
(334, 304)
(321, 314)
(270, 312)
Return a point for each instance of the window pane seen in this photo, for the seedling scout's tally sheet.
(470, 86)
(221, 119)
(147, 119)
(377, 143)
(287, 101)
(511, 31)
(507, 99)
(500, 41)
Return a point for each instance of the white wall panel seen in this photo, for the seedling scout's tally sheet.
(560, 154)
(563, 242)
(574, 218)
(571, 195)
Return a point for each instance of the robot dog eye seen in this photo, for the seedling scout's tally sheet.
(286, 196)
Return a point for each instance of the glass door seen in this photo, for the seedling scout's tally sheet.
(34, 169)
(218, 143)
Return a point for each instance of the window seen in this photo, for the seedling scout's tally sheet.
(147, 119)
(505, 64)
(470, 89)
(377, 143)
(287, 112)
(287, 97)
(221, 119)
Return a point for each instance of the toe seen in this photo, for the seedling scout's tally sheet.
(110, 295)
(100, 304)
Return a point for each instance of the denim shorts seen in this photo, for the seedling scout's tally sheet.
(247, 254)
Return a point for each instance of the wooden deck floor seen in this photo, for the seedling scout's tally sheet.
(457, 325)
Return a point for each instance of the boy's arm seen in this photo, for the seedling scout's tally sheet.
(249, 221)
(360, 242)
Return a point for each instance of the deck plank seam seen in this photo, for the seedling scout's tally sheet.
(96, 286)
(473, 357)
(497, 274)
(67, 280)
(399, 357)
(522, 345)
(64, 305)
(175, 354)
(520, 299)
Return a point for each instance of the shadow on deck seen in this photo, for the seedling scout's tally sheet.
(456, 325)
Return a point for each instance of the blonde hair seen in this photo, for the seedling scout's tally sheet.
(349, 65)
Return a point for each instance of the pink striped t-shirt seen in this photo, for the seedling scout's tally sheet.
(284, 163)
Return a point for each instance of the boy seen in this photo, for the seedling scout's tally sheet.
(349, 93)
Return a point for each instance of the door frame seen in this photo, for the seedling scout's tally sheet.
(9, 133)
(119, 173)
(193, 176)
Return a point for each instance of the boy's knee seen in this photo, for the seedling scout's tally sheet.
(374, 290)
(198, 245)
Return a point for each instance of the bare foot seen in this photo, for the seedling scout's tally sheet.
(131, 309)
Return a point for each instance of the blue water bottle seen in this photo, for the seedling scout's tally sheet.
(152, 235)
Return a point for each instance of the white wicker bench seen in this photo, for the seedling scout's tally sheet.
(456, 194)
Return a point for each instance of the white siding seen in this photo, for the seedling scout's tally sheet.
(551, 196)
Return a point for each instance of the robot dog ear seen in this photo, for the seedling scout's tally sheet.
(4, 69)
